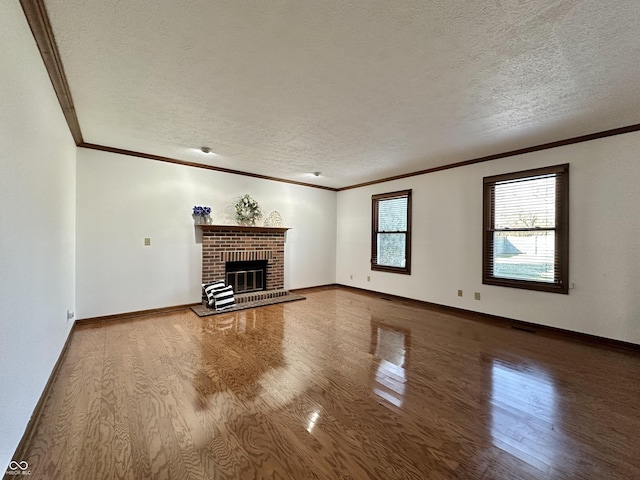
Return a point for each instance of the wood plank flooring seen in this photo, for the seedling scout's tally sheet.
(339, 386)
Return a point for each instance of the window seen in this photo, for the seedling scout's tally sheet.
(391, 232)
(526, 230)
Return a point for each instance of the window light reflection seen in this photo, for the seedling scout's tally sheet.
(390, 383)
(391, 346)
(312, 421)
(524, 415)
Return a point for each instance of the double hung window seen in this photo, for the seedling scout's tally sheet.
(526, 229)
(391, 232)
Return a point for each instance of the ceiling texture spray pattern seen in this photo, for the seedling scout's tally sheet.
(358, 90)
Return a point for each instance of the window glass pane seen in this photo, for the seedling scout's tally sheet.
(524, 255)
(526, 203)
(391, 249)
(392, 215)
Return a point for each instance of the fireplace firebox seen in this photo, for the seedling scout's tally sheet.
(246, 276)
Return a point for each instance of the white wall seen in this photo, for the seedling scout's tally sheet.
(447, 240)
(37, 228)
(123, 199)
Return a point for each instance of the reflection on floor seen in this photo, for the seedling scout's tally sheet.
(342, 385)
(521, 397)
(390, 346)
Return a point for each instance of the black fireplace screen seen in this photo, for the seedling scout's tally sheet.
(246, 276)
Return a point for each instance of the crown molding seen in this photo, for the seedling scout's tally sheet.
(38, 20)
(511, 153)
(159, 158)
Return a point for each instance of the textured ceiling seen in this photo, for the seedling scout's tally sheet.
(358, 90)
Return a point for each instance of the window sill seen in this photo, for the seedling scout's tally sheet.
(525, 285)
(383, 268)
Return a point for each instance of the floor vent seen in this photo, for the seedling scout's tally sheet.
(523, 329)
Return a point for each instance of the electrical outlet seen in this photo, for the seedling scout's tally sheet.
(70, 315)
(350, 277)
(147, 242)
(477, 296)
(368, 278)
(459, 293)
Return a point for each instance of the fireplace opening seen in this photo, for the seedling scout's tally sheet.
(246, 276)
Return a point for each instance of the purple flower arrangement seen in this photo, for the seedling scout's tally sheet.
(201, 211)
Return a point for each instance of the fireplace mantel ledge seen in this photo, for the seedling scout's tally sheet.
(241, 228)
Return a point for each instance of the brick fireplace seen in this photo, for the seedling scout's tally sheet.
(234, 243)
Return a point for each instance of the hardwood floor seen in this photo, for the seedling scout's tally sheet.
(341, 385)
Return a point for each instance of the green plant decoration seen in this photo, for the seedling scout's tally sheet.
(247, 211)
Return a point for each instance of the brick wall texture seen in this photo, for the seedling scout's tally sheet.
(224, 246)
